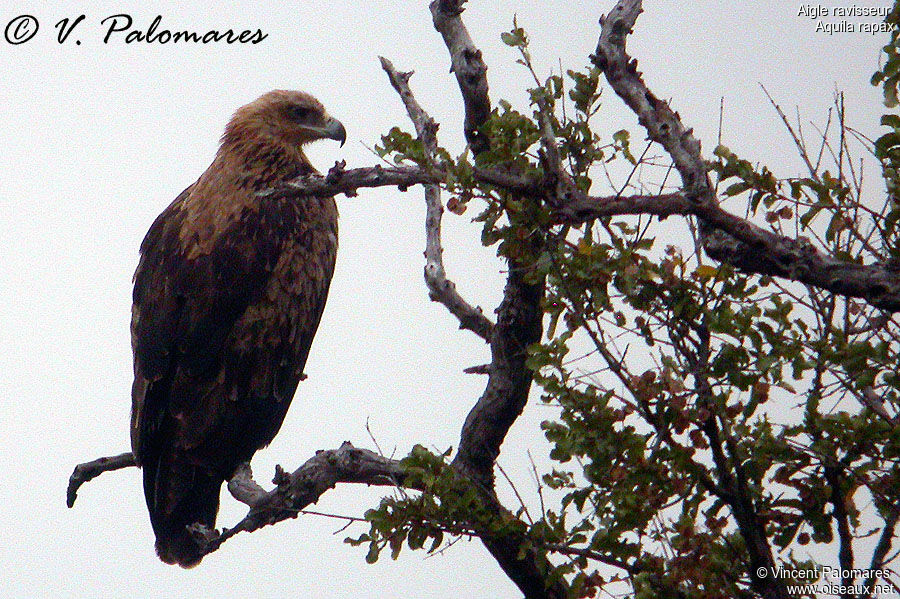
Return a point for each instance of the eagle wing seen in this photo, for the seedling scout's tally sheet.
(220, 338)
(184, 310)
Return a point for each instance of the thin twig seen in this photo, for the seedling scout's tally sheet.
(516, 493)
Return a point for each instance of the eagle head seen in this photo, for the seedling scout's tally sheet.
(284, 117)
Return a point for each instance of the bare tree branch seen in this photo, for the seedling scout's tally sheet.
(744, 245)
(348, 182)
(662, 124)
(426, 127)
(504, 398)
(752, 249)
(884, 544)
(440, 289)
(91, 470)
(467, 65)
(293, 492)
(304, 486)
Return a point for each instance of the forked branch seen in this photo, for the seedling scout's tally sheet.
(440, 288)
(293, 492)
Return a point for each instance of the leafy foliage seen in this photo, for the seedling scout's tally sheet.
(699, 408)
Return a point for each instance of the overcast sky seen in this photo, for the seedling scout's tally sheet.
(99, 137)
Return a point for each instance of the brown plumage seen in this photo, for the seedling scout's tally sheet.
(227, 297)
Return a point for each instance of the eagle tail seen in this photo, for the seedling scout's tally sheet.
(179, 495)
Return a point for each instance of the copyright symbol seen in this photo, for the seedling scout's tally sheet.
(21, 29)
(762, 572)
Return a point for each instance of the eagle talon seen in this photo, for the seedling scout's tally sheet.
(202, 534)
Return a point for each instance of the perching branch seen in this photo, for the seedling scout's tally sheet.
(293, 492)
(440, 289)
(347, 182)
(91, 470)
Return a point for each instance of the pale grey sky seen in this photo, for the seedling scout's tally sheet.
(99, 138)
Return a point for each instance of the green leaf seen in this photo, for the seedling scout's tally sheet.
(737, 188)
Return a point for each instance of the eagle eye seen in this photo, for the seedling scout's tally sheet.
(300, 113)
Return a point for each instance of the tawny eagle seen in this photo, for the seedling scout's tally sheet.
(227, 298)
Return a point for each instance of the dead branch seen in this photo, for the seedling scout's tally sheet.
(347, 182)
(304, 486)
(469, 68)
(91, 470)
(440, 288)
(293, 492)
(662, 124)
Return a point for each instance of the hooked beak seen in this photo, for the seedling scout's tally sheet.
(334, 129)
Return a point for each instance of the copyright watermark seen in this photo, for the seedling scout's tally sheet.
(21, 29)
(122, 28)
(828, 580)
(821, 572)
